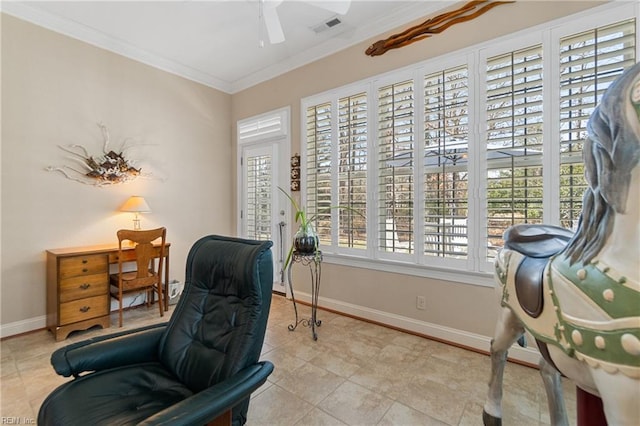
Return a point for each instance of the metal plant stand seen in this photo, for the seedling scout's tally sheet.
(314, 262)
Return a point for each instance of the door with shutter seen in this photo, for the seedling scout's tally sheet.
(263, 150)
(260, 214)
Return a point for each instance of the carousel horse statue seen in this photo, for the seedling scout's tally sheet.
(579, 294)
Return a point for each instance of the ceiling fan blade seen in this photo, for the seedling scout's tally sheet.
(340, 7)
(272, 24)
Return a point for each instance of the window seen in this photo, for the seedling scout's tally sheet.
(395, 167)
(446, 152)
(444, 156)
(263, 127)
(589, 62)
(318, 166)
(352, 171)
(259, 197)
(514, 142)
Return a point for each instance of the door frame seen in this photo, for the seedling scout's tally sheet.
(250, 133)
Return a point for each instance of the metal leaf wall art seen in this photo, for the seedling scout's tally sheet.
(108, 168)
(432, 26)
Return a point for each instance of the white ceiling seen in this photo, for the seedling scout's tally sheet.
(217, 42)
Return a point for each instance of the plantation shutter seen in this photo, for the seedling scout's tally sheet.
(352, 171)
(396, 167)
(258, 178)
(514, 142)
(446, 126)
(264, 127)
(589, 63)
(318, 134)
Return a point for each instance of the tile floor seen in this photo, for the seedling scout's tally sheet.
(356, 373)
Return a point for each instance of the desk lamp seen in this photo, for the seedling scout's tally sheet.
(136, 204)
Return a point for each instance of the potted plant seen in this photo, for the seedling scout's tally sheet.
(305, 239)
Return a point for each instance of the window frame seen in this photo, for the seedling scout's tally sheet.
(336, 227)
(475, 269)
(517, 43)
(376, 85)
(451, 61)
(332, 97)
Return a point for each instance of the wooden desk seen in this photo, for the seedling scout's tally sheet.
(78, 286)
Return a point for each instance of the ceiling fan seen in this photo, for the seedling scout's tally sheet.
(269, 15)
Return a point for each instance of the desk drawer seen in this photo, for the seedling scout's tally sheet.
(129, 255)
(83, 286)
(83, 309)
(83, 265)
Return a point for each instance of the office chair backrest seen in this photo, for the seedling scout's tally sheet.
(219, 323)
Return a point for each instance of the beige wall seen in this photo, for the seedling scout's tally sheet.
(463, 307)
(54, 91)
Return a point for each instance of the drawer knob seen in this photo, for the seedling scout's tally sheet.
(85, 286)
(85, 270)
(85, 309)
(84, 260)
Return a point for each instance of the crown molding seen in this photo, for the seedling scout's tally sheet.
(24, 11)
(400, 16)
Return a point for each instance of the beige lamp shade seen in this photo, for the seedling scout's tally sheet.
(136, 204)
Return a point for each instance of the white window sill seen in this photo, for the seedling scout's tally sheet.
(472, 278)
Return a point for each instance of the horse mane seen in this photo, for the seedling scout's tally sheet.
(611, 151)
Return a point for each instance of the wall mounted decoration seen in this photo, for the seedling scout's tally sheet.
(295, 172)
(108, 168)
(432, 26)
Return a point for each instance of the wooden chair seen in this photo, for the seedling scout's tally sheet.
(146, 276)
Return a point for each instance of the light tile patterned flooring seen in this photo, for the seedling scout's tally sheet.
(356, 373)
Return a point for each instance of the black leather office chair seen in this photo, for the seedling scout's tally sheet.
(202, 365)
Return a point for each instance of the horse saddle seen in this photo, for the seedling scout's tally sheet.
(537, 243)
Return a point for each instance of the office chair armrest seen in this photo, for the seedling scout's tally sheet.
(211, 403)
(99, 353)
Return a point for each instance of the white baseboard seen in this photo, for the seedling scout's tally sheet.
(23, 326)
(476, 341)
(38, 323)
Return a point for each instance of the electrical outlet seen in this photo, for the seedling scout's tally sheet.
(421, 302)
